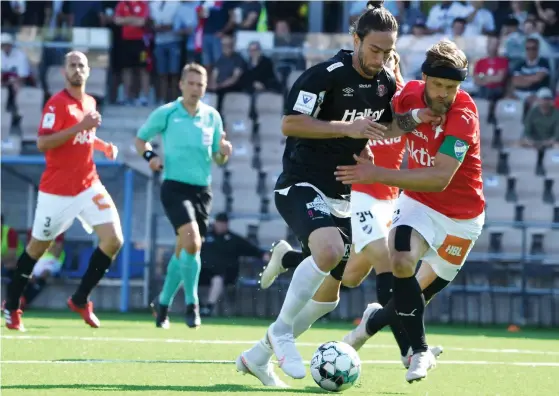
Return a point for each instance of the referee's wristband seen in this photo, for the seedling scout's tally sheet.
(148, 155)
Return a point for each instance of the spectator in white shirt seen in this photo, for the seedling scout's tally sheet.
(443, 14)
(167, 50)
(480, 21)
(186, 21)
(15, 70)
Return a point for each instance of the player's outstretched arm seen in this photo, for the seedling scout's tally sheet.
(307, 127)
(403, 123)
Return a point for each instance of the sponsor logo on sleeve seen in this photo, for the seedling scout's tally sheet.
(305, 102)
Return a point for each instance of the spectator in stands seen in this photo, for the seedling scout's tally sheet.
(513, 40)
(532, 74)
(248, 13)
(133, 17)
(443, 14)
(480, 20)
(114, 79)
(167, 50)
(219, 21)
(12, 247)
(408, 16)
(12, 14)
(531, 31)
(228, 72)
(541, 125)
(490, 75)
(15, 71)
(86, 13)
(356, 9)
(548, 15)
(185, 24)
(260, 75)
(220, 254)
(507, 10)
(286, 61)
(458, 28)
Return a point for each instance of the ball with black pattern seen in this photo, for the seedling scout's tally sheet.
(335, 366)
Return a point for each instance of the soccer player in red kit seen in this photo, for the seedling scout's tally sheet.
(440, 213)
(70, 188)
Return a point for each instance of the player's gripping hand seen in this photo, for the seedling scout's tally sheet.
(110, 151)
(364, 172)
(427, 116)
(90, 121)
(365, 128)
(155, 164)
(225, 146)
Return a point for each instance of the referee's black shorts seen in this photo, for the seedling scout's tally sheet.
(184, 203)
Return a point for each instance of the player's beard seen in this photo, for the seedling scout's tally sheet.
(438, 107)
(75, 81)
(368, 71)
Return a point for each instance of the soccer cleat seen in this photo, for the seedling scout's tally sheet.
(192, 316)
(13, 319)
(86, 312)
(161, 318)
(436, 351)
(265, 373)
(274, 268)
(359, 336)
(420, 364)
(289, 359)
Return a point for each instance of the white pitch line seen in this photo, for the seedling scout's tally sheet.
(150, 361)
(238, 342)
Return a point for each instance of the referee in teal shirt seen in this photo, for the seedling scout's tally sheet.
(192, 134)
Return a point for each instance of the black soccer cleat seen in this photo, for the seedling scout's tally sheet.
(160, 313)
(192, 316)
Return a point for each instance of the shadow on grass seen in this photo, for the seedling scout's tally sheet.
(217, 388)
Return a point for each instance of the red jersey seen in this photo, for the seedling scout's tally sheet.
(69, 167)
(387, 153)
(490, 67)
(139, 9)
(463, 198)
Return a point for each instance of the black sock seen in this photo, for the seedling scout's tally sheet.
(22, 273)
(33, 289)
(163, 311)
(291, 259)
(410, 306)
(99, 263)
(384, 295)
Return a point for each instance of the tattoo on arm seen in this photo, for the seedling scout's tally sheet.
(405, 121)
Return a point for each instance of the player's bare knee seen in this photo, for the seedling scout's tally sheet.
(111, 244)
(36, 248)
(328, 256)
(403, 264)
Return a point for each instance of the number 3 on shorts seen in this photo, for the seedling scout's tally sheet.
(454, 249)
(99, 201)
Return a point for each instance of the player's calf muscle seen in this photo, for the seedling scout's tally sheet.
(36, 248)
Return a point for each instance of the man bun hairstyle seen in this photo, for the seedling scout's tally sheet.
(375, 18)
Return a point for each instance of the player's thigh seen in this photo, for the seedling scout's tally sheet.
(374, 255)
(99, 213)
(310, 218)
(370, 219)
(53, 215)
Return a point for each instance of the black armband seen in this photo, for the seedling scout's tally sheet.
(148, 155)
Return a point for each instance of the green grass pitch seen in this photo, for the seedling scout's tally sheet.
(60, 355)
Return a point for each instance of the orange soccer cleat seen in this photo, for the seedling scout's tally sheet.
(13, 318)
(86, 312)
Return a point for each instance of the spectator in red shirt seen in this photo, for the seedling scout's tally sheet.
(490, 75)
(133, 16)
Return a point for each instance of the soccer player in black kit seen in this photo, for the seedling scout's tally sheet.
(331, 112)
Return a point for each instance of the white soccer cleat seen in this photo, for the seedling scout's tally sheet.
(289, 358)
(436, 351)
(274, 268)
(359, 336)
(420, 364)
(265, 373)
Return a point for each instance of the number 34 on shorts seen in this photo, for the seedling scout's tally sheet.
(454, 249)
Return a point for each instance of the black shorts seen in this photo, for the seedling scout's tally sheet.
(133, 54)
(184, 203)
(229, 275)
(304, 210)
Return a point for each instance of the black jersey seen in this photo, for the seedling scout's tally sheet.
(332, 91)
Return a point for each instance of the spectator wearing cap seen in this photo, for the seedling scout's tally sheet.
(15, 70)
(490, 75)
(221, 252)
(541, 125)
(531, 74)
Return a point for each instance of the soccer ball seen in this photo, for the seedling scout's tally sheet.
(335, 366)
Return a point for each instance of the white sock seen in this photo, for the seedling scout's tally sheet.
(310, 313)
(262, 352)
(306, 280)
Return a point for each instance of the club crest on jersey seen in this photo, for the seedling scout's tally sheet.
(460, 149)
(381, 90)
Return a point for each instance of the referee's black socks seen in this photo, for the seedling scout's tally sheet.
(25, 264)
